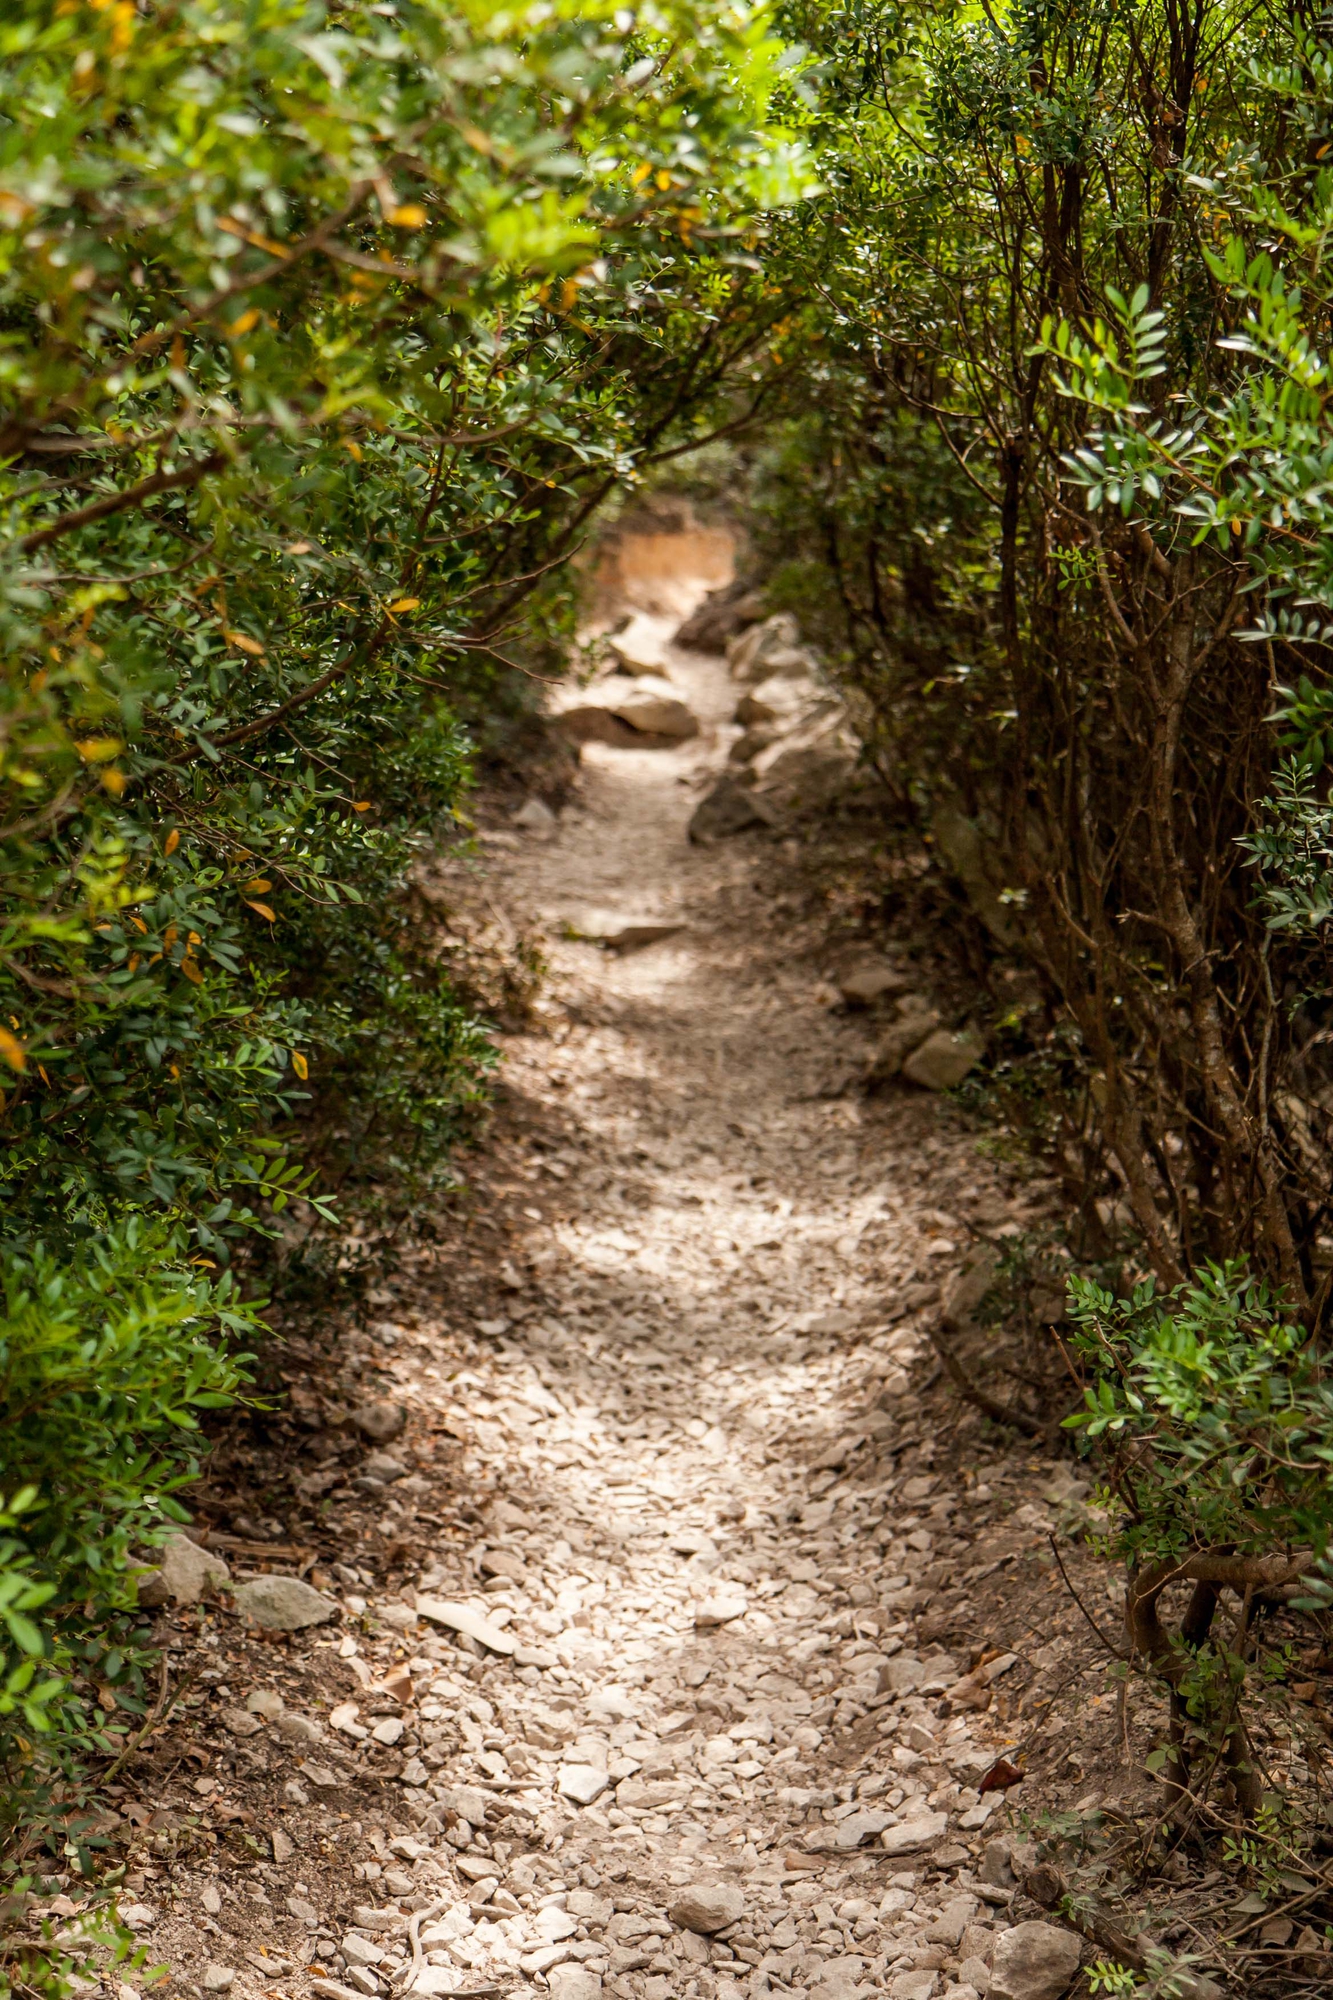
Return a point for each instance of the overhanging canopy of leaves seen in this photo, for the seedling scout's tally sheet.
(1066, 455)
(321, 329)
(324, 328)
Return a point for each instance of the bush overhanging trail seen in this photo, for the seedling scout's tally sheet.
(326, 329)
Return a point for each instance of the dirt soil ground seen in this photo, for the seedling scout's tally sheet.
(681, 1630)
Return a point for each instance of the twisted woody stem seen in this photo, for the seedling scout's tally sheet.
(1171, 1655)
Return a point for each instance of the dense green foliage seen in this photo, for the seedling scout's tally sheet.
(291, 412)
(323, 330)
(1214, 1414)
(1235, 1409)
(1058, 497)
(108, 1357)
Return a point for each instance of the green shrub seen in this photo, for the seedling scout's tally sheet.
(1213, 1415)
(276, 510)
(108, 1357)
(324, 328)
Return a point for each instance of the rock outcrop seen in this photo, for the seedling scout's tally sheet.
(621, 710)
(185, 1573)
(798, 747)
(774, 647)
(729, 808)
(723, 614)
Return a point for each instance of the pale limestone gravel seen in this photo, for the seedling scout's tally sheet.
(663, 1729)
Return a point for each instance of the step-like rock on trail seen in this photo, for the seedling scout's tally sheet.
(632, 1688)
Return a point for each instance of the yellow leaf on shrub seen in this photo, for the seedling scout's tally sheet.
(12, 1051)
(300, 1065)
(112, 780)
(99, 749)
(190, 967)
(269, 916)
(172, 842)
(244, 642)
(256, 885)
(405, 604)
(244, 323)
(361, 805)
(408, 215)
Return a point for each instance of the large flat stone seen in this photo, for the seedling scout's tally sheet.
(767, 647)
(862, 984)
(283, 1603)
(861, 1826)
(943, 1059)
(184, 1574)
(468, 1801)
(622, 711)
(653, 707)
(574, 1982)
(433, 1979)
(462, 1618)
(706, 1907)
(582, 1783)
(912, 1986)
(729, 809)
(1034, 1961)
(901, 1675)
(381, 1419)
(616, 933)
(914, 1834)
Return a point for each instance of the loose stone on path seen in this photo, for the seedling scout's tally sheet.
(622, 1682)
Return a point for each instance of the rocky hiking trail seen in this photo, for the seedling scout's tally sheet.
(625, 1605)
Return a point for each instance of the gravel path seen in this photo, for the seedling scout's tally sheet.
(663, 1664)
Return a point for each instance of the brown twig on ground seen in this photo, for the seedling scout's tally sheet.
(1113, 1650)
(967, 1388)
(158, 1714)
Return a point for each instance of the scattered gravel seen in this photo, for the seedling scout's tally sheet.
(634, 1668)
